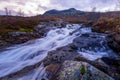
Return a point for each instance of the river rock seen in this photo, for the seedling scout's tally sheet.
(90, 41)
(61, 54)
(73, 70)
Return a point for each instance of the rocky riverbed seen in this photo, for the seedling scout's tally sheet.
(64, 52)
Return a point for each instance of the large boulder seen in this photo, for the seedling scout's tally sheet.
(108, 65)
(73, 70)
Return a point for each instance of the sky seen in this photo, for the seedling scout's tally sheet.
(35, 7)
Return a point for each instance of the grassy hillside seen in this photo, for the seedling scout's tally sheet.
(10, 23)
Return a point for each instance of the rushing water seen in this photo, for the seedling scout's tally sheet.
(17, 57)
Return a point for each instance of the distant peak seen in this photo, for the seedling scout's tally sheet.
(72, 9)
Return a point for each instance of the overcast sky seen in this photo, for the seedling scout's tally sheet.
(34, 7)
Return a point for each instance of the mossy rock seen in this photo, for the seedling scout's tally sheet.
(73, 70)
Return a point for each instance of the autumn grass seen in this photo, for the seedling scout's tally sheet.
(111, 25)
(24, 24)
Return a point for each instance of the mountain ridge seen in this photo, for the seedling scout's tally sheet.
(70, 11)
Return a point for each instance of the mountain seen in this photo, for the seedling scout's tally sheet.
(71, 11)
(76, 16)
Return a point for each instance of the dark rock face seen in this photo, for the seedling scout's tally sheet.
(113, 63)
(114, 42)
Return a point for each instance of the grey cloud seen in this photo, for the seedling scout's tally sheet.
(84, 4)
(42, 7)
(20, 3)
(5, 0)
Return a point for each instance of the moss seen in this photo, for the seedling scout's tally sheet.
(25, 30)
(82, 70)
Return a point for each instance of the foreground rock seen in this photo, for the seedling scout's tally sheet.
(73, 70)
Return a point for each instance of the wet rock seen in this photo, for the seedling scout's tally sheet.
(41, 30)
(61, 54)
(73, 70)
(51, 71)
